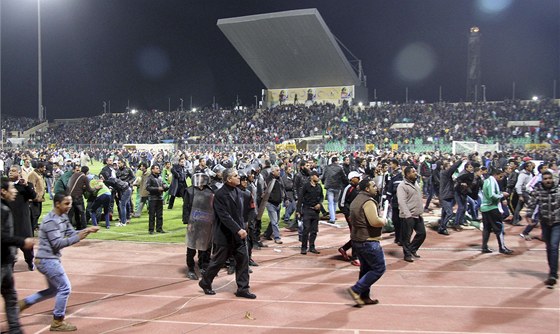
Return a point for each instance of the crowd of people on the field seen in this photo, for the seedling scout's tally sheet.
(291, 186)
(493, 187)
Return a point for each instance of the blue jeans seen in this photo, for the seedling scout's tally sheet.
(274, 215)
(426, 185)
(289, 209)
(101, 201)
(372, 265)
(461, 208)
(446, 212)
(430, 193)
(551, 236)
(473, 205)
(123, 205)
(332, 197)
(59, 286)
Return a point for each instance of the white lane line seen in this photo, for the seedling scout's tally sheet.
(294, 328)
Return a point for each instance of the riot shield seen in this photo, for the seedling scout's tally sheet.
(264, 199)
(201, 221)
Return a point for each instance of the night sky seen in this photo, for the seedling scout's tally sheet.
(146, 51)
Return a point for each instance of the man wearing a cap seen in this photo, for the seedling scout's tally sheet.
(308, 207)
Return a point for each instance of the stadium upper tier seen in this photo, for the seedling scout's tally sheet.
(442, 123)
(290, 49)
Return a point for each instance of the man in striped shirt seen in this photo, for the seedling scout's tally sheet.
(55, 233)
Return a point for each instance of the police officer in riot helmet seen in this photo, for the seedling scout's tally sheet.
(198, 213)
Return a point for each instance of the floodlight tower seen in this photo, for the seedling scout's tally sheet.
(473, 65)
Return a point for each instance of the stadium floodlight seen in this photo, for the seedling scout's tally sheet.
(360, 104)
(193, 109)
(535, 98)
(133, 111)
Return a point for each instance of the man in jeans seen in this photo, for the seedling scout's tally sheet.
(446, 194)
(274, 204)
(55, 233)
(290, 200)
(366, 233)
(334, 180)
(546, 196)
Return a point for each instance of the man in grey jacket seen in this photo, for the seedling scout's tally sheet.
(411, 208)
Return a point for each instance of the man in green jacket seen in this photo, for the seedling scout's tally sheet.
(491, 215)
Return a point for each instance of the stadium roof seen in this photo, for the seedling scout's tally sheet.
(290, 49)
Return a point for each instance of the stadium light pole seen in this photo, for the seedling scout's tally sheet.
(483, 93)
(256, 102)
(181, 104)
(39, 62)
(406, 95)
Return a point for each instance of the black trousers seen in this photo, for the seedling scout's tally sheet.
(310, 228)
(28, 255)
(35, 209)
(179, 193)
(397, 223)
(155, 211)
(78, 213)
(492, 222)
(407, 226)
(203, 258)
(10, 299)
(219, 257)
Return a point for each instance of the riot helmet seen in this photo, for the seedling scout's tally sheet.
(200, 180)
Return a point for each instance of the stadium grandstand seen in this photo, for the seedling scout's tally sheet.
(415, 127)
(297, 58)
(305, 107)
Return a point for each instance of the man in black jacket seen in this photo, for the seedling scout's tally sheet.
(178, 182)
(20, 209)
(155, 188)
(9, 242)
(290, 199)
(308, 208)
(446, 194)
(334, 180)
(391, 193)
(229, 236)
(125, 204)
(273, 205)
